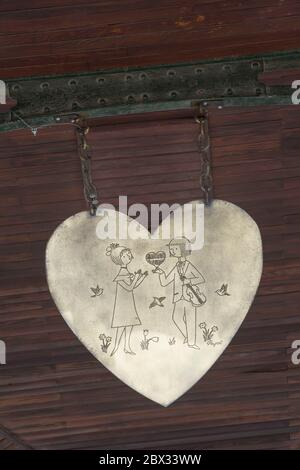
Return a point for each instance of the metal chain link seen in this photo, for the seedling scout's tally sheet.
(206, 180)
(90, 191)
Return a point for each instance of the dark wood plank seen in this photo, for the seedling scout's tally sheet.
(54, 36)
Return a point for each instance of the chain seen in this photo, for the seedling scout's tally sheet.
(206, 181)
(90, 191)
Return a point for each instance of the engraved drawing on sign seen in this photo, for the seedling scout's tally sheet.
(105, 342)
(96, 291)
(146, 340)
(223, 290)
(208, 334)
(157, 301)
(155, 259)
(185, 278)
(125, 315)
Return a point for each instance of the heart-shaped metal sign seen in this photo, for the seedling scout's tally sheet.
(156, 312)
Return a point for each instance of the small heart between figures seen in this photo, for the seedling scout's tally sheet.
(155, 259)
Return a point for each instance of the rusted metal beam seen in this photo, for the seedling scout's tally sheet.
(241, 81)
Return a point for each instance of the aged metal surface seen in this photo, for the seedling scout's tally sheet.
(231, 82)
(159, 330)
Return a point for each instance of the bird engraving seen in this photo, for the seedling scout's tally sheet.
(157, 301)
(96, 291)
(223, 290)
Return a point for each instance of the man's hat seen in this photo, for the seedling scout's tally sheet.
(179, 241)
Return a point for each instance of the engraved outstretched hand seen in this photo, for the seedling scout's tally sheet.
(140, 277)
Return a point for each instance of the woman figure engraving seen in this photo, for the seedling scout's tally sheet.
(125, 315)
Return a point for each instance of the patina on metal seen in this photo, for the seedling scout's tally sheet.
(155, 312)
(43, 101)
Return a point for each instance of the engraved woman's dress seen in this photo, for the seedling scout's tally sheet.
(124, 313)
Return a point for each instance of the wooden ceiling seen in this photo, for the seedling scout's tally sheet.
(60, 36)
(53, 393)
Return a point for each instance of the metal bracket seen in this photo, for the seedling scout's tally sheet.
(43, 101)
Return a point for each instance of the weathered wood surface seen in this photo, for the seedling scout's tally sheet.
(53, 393)
(9, 441)
(60, 36)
